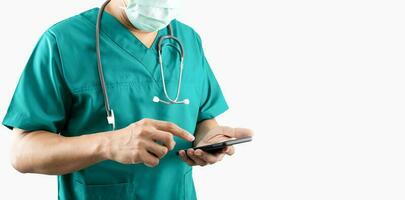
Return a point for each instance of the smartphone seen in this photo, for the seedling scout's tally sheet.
(217, 147)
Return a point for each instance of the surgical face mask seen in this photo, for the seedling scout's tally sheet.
(151, 15)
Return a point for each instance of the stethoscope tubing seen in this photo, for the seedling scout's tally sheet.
(108, 109)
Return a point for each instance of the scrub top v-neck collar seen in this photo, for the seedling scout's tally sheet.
(120, 35)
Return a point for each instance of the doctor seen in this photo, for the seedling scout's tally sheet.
(109, 96)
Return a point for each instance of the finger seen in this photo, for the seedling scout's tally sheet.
(156, 149)
(207, 157)
(237, 132)
(229, 150)
(148, 159)
(173, 129)
(197, 159)
(221, 156)
(163, 137)
(185, 158)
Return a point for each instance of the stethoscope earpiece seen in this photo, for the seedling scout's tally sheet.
(111, 119)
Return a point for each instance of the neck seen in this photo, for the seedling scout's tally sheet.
(115, 8)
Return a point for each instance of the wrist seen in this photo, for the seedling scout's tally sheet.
(203, 128)
(103, 147)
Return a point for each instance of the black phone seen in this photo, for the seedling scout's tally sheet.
(217, 147)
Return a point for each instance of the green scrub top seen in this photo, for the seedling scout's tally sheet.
(59, 91)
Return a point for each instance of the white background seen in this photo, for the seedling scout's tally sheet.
(322, 83)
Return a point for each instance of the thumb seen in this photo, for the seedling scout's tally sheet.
(238, 132)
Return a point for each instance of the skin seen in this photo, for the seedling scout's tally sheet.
(50, 153)
(115, 9)
(145, 141)
(209, 132)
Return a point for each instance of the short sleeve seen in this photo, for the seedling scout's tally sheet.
(213, 102)
(41, 99)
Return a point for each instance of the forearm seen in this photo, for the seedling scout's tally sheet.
(49, 153)
(203, 128)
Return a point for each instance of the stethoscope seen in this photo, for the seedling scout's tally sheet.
(156, 99)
